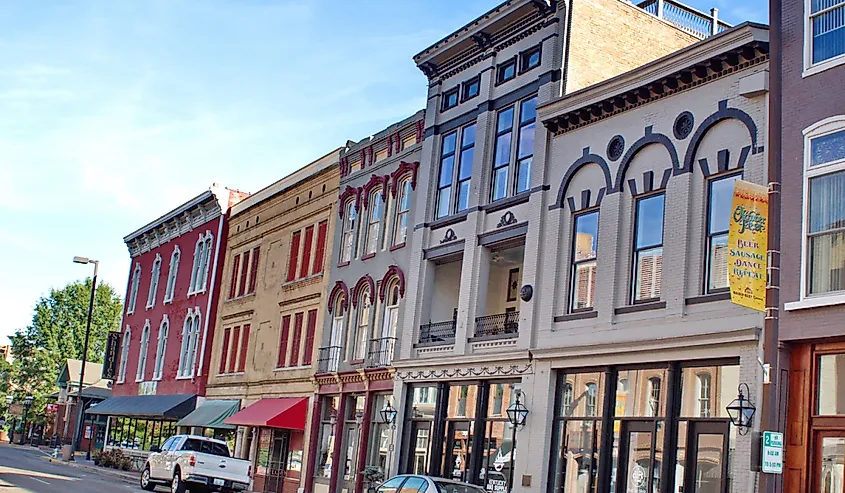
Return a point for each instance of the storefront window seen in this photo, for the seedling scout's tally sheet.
(577, 432)
(462, 401)
(417, 452)
(831, 381)
(498, 439)
(381, 435)
(328, 419)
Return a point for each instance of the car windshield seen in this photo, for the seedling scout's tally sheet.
(206, 447)
(447, 487)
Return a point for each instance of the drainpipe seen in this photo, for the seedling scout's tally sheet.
(714, 21)
(211, 291)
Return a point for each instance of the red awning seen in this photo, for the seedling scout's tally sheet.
(287, 412)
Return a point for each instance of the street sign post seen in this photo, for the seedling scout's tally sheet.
(772, 452)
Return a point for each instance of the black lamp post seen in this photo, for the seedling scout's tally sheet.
(517, 414)
(741, 411)
(79, 418)
(27, 403)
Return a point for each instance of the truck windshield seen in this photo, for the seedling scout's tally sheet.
(206, 447)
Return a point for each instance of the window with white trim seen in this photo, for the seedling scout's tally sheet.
(142, 354)
(361, 334)
(704, 392)
(124, 355)
(190, 339)
(391, 311)
(133, 289)
(403, 208)
(376, 206)
(155, 274)
(654, 385)
(350, 226)
(824, 208)
(161, 347)
(172, 272)
(825, 30)
(202, 261)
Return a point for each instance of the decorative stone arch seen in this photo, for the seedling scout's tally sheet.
(392, 271)
(401, 172)
(646, 140)
(585, 159)
(356, 291)
(339, 292)
(374, 183)
(723, 113)
(347, 194)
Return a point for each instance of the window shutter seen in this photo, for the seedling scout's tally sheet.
(309, 337)
(233, 287)
(244, 346)
(234, 359)
(225, 352)
(297, 338)
(320, 253)
(294, 256)
(244, 271)
(306, 251)
(253, 271)
(283, 342)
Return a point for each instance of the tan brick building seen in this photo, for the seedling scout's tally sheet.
(270, 318)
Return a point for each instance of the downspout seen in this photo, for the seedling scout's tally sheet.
(211, 291)
(567, 37)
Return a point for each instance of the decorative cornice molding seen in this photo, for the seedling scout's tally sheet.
(356, 291)
(450, 373)
(339, 288)
(400, 172)
(374, 182)
(393, 270)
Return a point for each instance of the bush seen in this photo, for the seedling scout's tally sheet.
(116, 459)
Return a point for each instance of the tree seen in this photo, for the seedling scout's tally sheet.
(57, 332)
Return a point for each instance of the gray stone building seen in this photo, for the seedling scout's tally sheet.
(511, 298)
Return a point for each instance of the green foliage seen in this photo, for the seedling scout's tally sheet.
(57, 332)
(373, 474)
(115, 458)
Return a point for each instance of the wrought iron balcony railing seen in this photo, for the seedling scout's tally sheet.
(328, 359)
(433, 333)
(685, 18)
(381, 352)
(500, 324)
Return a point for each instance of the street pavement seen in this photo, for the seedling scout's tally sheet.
(25, 470)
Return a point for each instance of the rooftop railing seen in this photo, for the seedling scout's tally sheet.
(686, 18)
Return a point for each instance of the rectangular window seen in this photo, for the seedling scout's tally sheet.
(309, 337)
(374, 222)
(350, 225)
(831, 374)
(244, 347)
(577, 431)
(244, 272)
(380, 155)
(529, 59)
(465, 167)
(409, 141)
(450, 99)
(297, 338)
(320, 252)
(306, 251)
(584, 247)
(502, 153)
(403, 207)
(253, 270)
(294, 256)
(648, 248)
(506, 71)
(827, 25)
(525, 149)
(447, 168)
(233, 286)
(719, 197)
(826, 234)
(471, 88)
(236, 334)
(283, 342)
(224, 352)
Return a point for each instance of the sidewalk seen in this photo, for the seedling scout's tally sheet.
(79, 462)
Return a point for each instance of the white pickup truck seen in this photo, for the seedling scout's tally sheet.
(196, 464)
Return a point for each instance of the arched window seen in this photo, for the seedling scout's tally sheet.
(590, 399)
(124, 355)
(350, 225)
(653, 408)
(161, 348)
(362, 327)
(142, 354)
(567, 399)
(202, 260)
(154, 277)
(190, 337)
(171, 274)
(391, 311)
(374, 222)
(703, 385)
(403, 207)
(133, 290)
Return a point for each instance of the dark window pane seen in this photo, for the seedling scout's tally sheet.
(532, 59)
(721, 199)
(505, 120)
(507, 71)
(503, 150)
(650, 221)
(465, 168)
(447, 167)
(586, 235)
(526, 141)
(471, 89)
(829, 34)
(528, 110)
(828, 148)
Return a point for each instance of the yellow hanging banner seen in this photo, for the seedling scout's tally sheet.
(747, 244)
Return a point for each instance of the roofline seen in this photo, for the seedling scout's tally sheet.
(735, 37)
(190, 204)
(366, 141)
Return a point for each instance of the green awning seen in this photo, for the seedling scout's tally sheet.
(211, 414)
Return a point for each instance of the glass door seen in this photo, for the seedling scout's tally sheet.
(640, 454)
(418, 458)
(458, 451)
(706, 470)
(277, 465)
(829, 462)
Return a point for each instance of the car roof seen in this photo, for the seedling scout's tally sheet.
(434, 478)
(200, 437)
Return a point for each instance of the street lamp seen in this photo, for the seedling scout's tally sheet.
(517, 414)
(388, 413)
(741, 411)
(78, 430)
(27, 402)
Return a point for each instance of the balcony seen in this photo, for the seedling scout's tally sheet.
(381, 352)
(685, 18)
(499, 325)
(328, 359)
(438, 332)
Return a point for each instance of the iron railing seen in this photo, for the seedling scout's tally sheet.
(328, 359)
(685, 18)
(432, 333)
(381, 352)
(494, 325)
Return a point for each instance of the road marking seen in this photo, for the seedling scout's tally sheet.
(39, 480)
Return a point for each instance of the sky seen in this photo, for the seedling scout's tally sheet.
(114, 112)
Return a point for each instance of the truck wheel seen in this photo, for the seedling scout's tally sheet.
(177, 486)
(146, 484)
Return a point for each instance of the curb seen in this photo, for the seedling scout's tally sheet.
(127, 478)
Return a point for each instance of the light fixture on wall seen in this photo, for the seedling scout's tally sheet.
(741, 410)
(388, 413)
